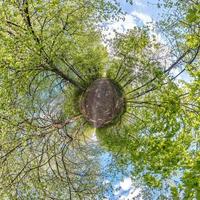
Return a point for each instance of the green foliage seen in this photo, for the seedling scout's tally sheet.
(47, 59)
(50, 53)
(159, 132)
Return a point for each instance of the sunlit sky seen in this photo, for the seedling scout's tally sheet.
(142, 12)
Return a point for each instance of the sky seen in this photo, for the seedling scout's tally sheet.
(142, 12)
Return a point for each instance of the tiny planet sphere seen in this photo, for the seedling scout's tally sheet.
(102, 102)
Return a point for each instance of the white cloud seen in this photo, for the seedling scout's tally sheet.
(125, 190)
(139, 3)
(133, 194)
(126, 184)
(120, 26)
(130, 21)
(144, 17)
(148, 21)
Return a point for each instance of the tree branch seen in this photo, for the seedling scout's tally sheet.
(36, 38)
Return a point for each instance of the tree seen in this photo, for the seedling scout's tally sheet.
(47, 59)
(51, 55)
(160, 134)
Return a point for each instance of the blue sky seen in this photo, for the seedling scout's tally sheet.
(147, 7)
(142, 12)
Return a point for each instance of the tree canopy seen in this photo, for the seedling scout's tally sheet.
(51, 53)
